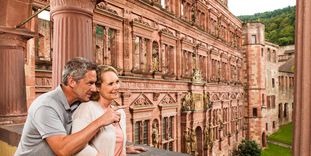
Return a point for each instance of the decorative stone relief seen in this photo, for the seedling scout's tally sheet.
(141, 21)
(142, 101)
(215, 97)
(156, 96)
(225, 96)
(167, 100)
(197, 76)
(167, 31)
(104, 6)
(233, 96)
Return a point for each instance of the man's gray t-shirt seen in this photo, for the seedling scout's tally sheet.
(48, 115)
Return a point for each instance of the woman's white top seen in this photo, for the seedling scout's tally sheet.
(105, 140)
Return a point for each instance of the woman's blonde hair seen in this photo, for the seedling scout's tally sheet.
(101, 69)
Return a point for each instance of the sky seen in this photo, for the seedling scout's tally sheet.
(250, 7)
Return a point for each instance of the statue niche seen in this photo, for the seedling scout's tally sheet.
(187, 141)
(155, 135)
(187, 104)
(207, 101)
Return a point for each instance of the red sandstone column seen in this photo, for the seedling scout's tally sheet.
(72, 33)
(13, 47)
(12, 80)
(302, 107)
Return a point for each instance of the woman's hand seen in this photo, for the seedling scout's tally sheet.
(134, 149)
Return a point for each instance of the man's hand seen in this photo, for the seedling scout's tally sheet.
(134, 149)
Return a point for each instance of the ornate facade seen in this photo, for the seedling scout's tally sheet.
(180, 63)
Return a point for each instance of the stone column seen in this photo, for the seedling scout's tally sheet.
(302, 107)
(13, 88)
(72, 33)
(13, 108)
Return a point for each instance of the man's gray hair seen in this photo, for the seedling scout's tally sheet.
(76, 68)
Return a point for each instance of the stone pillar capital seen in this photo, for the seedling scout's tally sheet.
(65, 5)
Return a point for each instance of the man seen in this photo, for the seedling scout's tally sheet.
(48, 125)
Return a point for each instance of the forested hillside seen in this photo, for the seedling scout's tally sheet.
(280, 24)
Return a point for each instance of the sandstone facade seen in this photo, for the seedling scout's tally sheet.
(182, 65)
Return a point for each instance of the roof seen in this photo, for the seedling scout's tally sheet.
(288, 66)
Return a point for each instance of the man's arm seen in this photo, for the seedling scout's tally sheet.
(71, 144)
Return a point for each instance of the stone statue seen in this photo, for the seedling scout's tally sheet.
(187, 141)
(207, 101)
(187, 102)
(206, 137)
(155, 135)
(193, 138)
(220, 120)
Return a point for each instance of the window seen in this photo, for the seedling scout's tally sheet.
(268, 55)
(140, 51)
(274, 56)
(141, 132)
(273, 101)
(167, 133)
(263, 99)
(273, 124)
(137, 132)
(43, 47)
(268, 101)
(261, 52)
(253, 39)
(273, 83)
(164, 128)
(254, 112)
(280, 110)
(145, 134)
(267, 127)
(106, 45)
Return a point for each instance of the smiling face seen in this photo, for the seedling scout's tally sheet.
(109, 88)
(84, 88)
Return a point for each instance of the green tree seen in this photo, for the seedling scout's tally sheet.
(279, 24)
(247, 148)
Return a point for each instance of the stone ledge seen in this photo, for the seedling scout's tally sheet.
(11, 133)
(157, 152)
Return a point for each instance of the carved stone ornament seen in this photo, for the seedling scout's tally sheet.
(167, 31)
(155, 96)
(197, 76)
(142, 101)
(187, 102)
(104, 6)
(167, 100)
(141, 21)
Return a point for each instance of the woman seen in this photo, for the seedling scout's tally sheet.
(111, 139)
